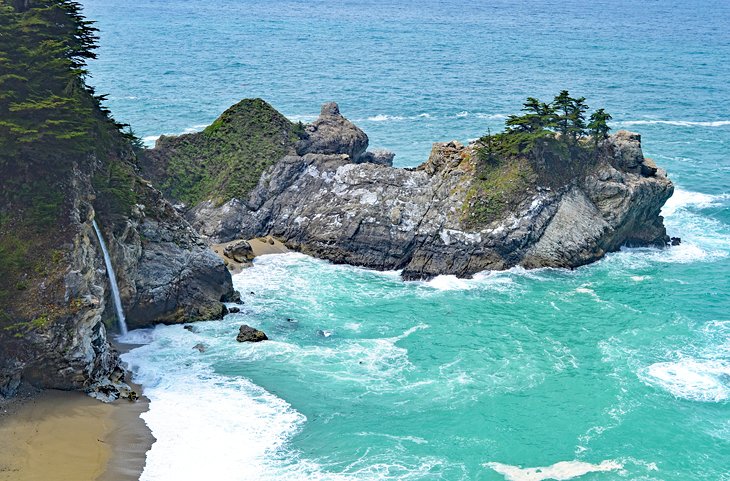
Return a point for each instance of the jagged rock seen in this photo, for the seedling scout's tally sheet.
(189, 328)
(240, 251)
(648, 167)
(234, 309)
(675, 241)
(200, 347)
(249, 334)
(382, 157)
(332, 133)
(165, 272)
(332, 201)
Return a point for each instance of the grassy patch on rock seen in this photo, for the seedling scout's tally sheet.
(226, 159)
(496, 190)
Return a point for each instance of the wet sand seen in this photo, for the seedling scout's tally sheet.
(59, 435)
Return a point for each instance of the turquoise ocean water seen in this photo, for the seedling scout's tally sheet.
(615, 371)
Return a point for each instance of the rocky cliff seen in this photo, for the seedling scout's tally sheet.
(334, 200)
(57, 315)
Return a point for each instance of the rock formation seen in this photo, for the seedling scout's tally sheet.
(334, 200)
(249, 334)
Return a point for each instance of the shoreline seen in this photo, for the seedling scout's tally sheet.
(53, 434)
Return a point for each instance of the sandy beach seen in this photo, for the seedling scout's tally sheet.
(259, 246)
(69, 436)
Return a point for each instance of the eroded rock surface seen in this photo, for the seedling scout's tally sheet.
(326, 203)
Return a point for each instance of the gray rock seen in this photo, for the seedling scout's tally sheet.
(249, 334)
(332, 133)
(240, 251)
(413, 219)
(234, 309)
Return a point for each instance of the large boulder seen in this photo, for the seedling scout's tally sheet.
(249, 334)
(240, 251)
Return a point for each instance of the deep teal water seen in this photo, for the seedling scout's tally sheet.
(618, 370)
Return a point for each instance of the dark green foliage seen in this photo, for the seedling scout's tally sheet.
(598, 125)
(226, 159)
(45, 105)
(115, 188)
(543, 127)
(543, 144)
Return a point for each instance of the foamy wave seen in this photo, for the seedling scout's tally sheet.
(149, 140)
(678, 123)
(681, 199)
(247, 433)
(385, 118)
(561, 471)
(138, 336)
(691, 379)
(480, 115)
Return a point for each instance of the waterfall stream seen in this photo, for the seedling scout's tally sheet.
(112, 281)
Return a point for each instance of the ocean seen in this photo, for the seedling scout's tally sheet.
(619, 370)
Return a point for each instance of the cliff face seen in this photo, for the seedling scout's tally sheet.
(55, 331)
(334, 202)
(64, 162)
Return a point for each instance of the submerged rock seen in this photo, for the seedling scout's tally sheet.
(249, 334)
(234, 309)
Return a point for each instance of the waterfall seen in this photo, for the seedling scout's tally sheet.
(112, 281)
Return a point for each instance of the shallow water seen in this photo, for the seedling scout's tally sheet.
(618, 370)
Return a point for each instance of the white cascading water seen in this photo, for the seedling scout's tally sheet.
(112, 281)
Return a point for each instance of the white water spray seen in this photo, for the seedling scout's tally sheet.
(112, 281)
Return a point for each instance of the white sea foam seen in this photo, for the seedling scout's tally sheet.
(149, 140)
(480, 115)
(682, 199)
(561, 471)
(677, 123)
(138, 336)
(450, 283)
(385, 118)
(462, 114)
(691, 379)
(209, 426)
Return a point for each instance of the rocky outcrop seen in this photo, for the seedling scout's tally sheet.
(166, 273)
(249, 334)
(325, 202)
(331, 133)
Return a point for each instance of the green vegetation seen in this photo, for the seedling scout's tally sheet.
(548, 143)
(226, 159)
(50, 123)
(558, 127)
(499, 188)
(115, 185)
(47, 112)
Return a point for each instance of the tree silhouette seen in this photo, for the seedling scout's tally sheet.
(598, 125)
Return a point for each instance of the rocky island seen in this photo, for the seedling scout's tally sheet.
(457, 213)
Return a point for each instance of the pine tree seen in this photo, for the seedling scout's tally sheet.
(47, 112)
(598, 125)
(563, 105)
(577, 118)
